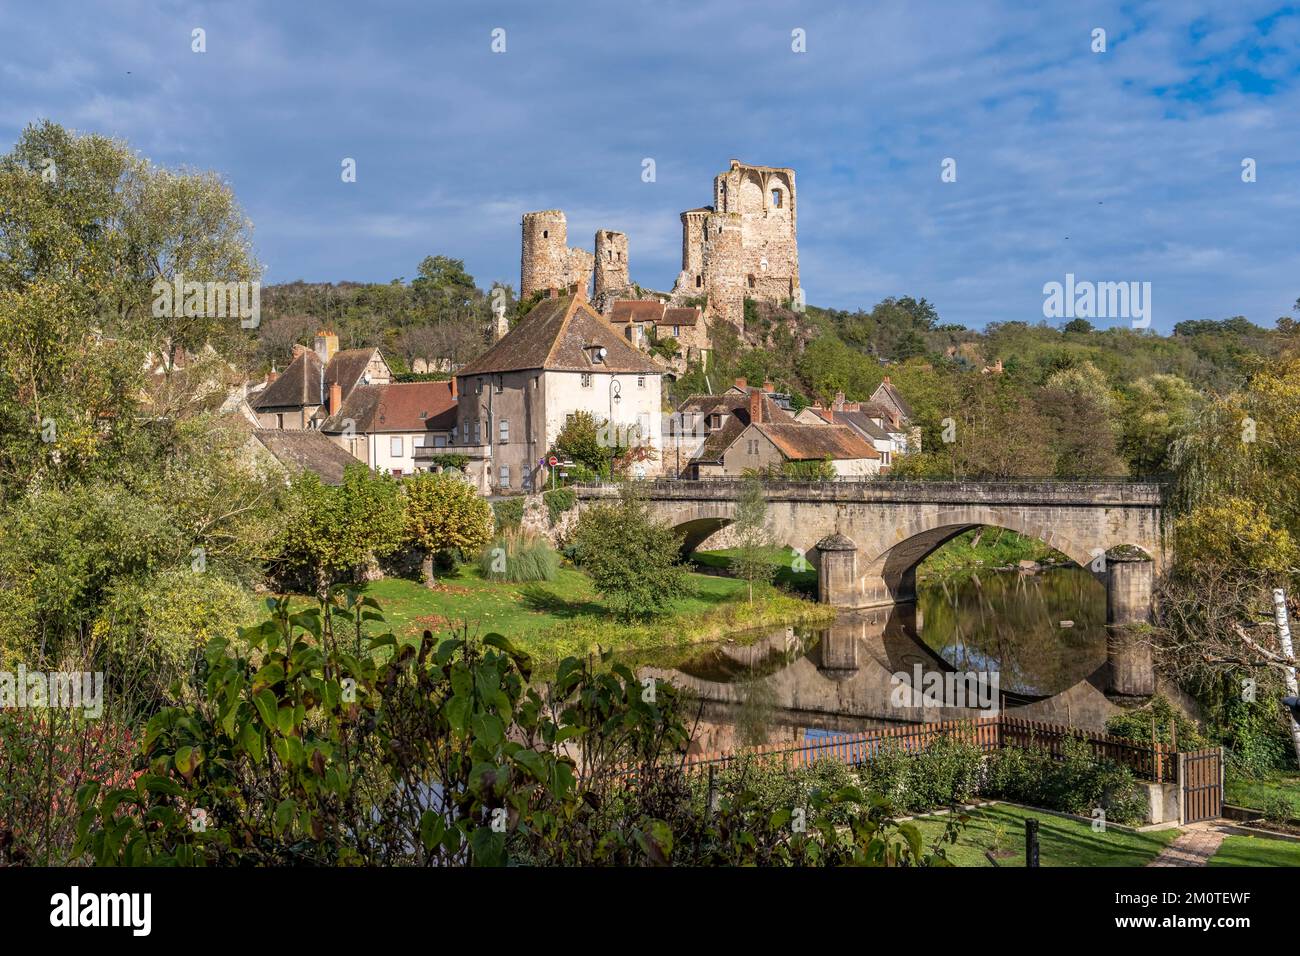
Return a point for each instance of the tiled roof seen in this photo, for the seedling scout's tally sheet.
(306, 450)
(396, 407)
(636, 310)
(887, 394)
(680, 316)
(799, 442)
(558, 335)
(300, 383)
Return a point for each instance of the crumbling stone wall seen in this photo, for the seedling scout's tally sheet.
(611, 263)
(546, 260)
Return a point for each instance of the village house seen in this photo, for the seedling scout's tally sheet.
(645, 322)
(882, 421)
(747, 429)
(293, 451)
(560, 359)
(299, 398)
(388, 426)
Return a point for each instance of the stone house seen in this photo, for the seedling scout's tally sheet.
(747, 429)
(643, 322)
(388, 426)
(560, 359)
(300, 396)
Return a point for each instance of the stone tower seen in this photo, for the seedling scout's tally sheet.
(611, 263)
(761, 259)
(544, 261)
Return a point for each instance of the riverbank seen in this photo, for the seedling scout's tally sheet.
(563, 617)
(985, 549)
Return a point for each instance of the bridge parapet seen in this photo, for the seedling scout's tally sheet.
(1010, 492)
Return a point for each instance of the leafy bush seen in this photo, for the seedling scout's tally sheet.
(1077, 783)
(509, 513)
(519, 556)
(313, 745)
(558, 501)
(634, 561)
(1255, 738)
(948, 772)
(1136, 725)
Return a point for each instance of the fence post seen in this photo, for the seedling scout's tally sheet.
(1031, 842)
(711, 790)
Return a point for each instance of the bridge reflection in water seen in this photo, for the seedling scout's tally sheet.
(791, 681)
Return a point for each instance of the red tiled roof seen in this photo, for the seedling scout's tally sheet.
(397, 407)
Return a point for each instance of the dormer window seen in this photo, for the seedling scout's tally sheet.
(596, 353)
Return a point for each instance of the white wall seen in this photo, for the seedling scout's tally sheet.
(565, 394)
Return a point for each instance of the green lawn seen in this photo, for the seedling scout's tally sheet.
(1061, 841)
(784, 559)
(1256, 851)
(1255, 793)
(552, 619)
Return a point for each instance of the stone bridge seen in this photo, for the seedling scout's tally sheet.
(866, 538)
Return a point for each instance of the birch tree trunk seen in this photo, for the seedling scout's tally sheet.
(1288, 672)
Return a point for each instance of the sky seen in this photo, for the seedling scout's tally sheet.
(1115, 166)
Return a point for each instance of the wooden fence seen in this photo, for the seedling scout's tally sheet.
(1158, 762)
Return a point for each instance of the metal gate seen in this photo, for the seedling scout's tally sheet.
(1201, 777)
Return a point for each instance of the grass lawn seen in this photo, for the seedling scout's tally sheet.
(1255, 793)
(552, 619)
(1256, 851)
(1061, 842)
(784, 559)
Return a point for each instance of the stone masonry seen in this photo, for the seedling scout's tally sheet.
(743, 246)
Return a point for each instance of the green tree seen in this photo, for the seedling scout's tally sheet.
(755, 556)
(633, 560)
(580, 442)
(443, 514)
(331, 531)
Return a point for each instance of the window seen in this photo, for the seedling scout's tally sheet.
(397, 473)
(500, 387)
(279, 421)
(503, 427)
(776, 198)
(439, 441)
(395, 446)
(751, 282)
(464, 433)
(478, 434)
(699, 281)
(504, 480)
(478, 386)
(418, 441)
(677, 330)
(640, 381)
(586, 380)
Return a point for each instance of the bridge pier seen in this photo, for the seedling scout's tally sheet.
(1130, 586)
(837, 572)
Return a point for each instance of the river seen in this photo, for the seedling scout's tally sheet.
(1036, 641)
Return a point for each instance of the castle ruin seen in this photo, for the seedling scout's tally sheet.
(743, 246)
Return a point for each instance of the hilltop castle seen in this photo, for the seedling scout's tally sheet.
(743, 246)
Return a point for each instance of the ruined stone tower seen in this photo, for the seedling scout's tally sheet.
(761, 259)
(611, 263)
(546, 261)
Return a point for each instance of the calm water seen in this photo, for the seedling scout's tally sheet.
(1043, 634)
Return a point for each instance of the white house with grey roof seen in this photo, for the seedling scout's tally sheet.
(560, 359)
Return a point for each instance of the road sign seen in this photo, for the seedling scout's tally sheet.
(554, 461)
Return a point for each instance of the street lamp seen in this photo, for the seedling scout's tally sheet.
(615, 396)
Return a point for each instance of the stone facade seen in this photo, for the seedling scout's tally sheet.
(743, 246)
(546, 261)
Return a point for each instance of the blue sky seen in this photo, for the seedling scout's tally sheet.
(1119, 166)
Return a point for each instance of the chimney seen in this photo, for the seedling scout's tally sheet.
(755, 406)
(769, 387)
(552, 293)
(830, 416)
(453, 387)
(839, 400)
(271, 376)
(336, 397)
(885, 381)
(297, 350)
(741, 383)
(327, 344)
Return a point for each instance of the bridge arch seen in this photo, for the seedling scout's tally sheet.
(889, 562)
(698, 521)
